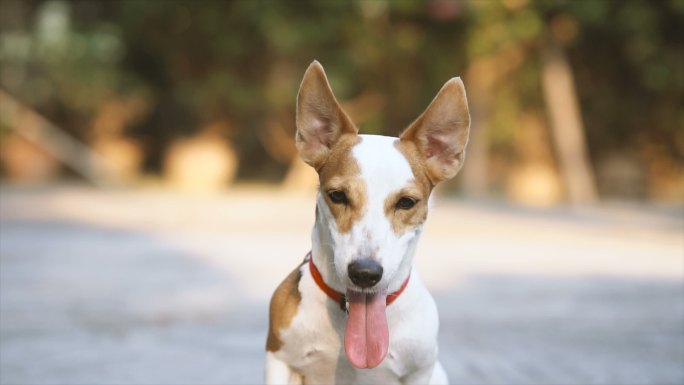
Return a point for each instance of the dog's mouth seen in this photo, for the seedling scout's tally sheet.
(366, 338)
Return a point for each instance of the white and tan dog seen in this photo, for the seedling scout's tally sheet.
(355, 311)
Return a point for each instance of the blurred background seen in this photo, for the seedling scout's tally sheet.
(151, 197)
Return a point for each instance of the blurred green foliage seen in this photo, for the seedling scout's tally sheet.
(241, 61)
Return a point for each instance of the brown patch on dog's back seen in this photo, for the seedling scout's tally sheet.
(341, 172)
(283, 308)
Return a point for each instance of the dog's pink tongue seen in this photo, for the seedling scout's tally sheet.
(367, 338)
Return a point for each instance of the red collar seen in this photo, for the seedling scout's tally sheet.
(341, 298)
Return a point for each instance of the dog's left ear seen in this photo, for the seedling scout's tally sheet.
(440, 134)
(321, 122)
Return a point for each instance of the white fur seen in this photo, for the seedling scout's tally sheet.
(312, 344)
(384, 170)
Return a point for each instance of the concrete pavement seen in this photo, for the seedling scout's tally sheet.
(151, 287)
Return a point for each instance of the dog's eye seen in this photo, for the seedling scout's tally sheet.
(338, 197)
(405, 203)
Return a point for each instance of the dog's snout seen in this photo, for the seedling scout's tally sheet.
(365, 273)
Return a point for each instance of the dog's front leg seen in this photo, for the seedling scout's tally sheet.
(279, 373)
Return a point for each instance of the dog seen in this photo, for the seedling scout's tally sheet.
(355, 311)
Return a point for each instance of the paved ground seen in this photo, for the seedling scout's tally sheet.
(148, 287)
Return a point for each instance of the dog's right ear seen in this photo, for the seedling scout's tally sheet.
(440, 134)
(321, 122)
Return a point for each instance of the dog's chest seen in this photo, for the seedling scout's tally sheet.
(312, 344)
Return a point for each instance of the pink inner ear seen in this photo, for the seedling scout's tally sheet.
(438, 145)
(324, 130)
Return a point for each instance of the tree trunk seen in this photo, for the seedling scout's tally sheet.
(566, 124)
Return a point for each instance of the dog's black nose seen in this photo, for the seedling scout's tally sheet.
(365, 272)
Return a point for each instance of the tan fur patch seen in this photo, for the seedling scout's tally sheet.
(283, 308)
(420, 190)
(342, 172)
(416, 161)
(403, 220)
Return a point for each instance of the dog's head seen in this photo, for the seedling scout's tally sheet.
(374, 190)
